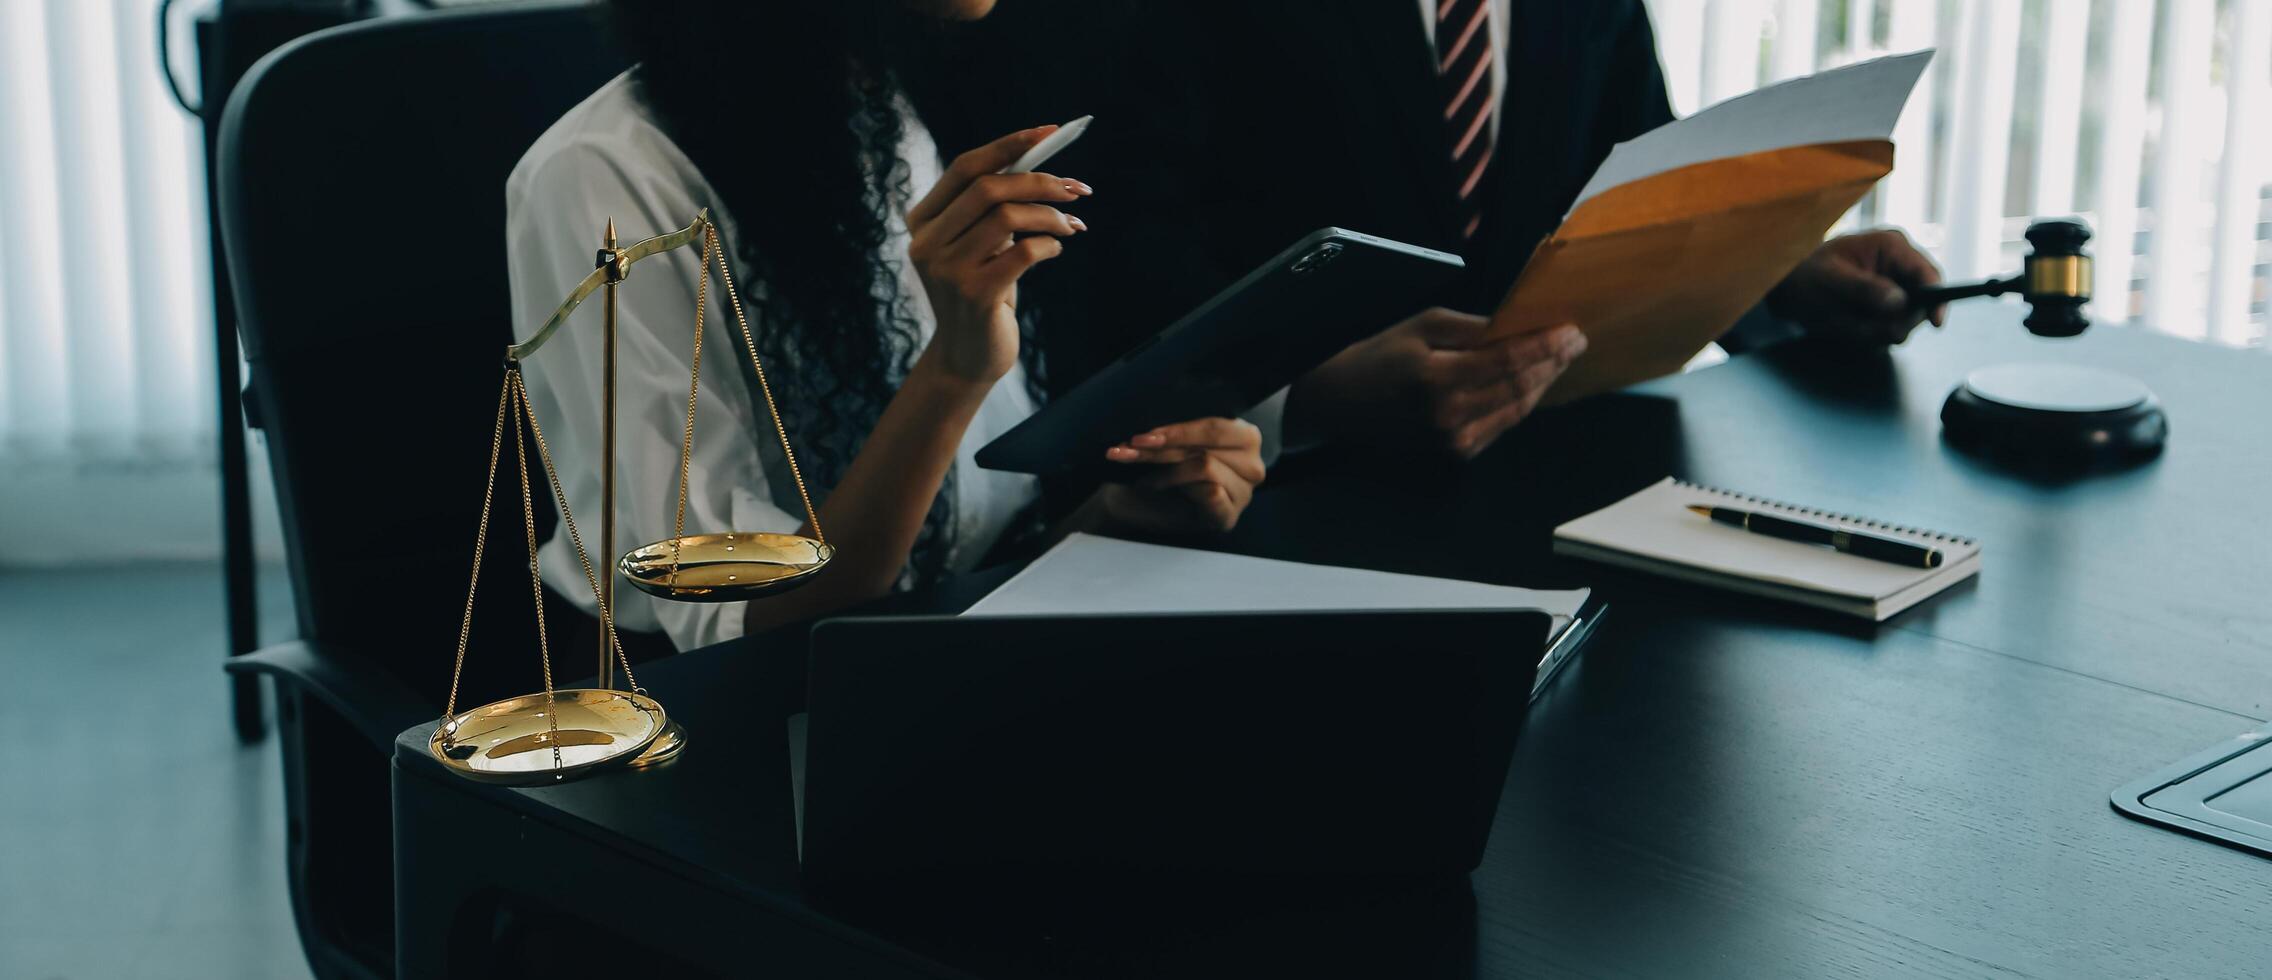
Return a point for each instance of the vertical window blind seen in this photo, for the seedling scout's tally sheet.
(107, 404)
(105, 305)
(2145, 117)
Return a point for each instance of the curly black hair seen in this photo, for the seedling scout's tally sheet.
(792, 111)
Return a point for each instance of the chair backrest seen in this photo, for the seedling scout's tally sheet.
(362, 190)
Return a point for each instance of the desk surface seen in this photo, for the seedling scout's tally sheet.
(1722, 786)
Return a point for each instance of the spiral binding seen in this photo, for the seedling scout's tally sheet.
(1819, 514)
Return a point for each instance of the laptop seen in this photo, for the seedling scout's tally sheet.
(1165, 746)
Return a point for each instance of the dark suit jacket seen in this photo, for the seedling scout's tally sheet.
(1227, 129)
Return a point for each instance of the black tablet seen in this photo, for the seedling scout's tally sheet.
(1329, 290)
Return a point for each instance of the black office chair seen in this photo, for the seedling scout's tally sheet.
(362, 179)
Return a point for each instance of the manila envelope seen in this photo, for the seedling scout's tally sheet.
(1655, 269)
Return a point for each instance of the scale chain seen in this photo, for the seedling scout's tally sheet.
(528, 522)
(480, 540)
(726, 276)
(576, 538)
(693, 391)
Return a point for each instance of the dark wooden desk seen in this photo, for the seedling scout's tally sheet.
(1722, 787)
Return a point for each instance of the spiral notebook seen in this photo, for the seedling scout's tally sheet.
(1654, 531)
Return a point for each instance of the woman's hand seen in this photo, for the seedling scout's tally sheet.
(973, 235)
(1201, 477)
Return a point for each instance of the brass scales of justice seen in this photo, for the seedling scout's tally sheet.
(563, 733)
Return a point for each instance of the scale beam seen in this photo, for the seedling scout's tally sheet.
(627, 257)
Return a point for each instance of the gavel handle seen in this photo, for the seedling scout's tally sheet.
(1936, 295)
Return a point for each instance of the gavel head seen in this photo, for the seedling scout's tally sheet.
(2057, 281)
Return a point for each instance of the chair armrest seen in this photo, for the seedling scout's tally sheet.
(348, 683)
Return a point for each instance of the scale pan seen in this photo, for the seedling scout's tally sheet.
(540, 738)
(727, 567)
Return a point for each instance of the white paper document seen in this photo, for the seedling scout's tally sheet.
(1857, 102)
(1088, 574)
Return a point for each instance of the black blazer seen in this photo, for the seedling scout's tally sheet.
(1226, 129)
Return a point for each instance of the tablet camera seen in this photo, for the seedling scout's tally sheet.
(1318, 258)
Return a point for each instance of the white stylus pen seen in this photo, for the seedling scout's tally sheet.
(1050, 146)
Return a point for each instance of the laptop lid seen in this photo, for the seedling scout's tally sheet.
(1339, 744)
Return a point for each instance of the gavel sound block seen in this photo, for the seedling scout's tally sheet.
(2042, 415)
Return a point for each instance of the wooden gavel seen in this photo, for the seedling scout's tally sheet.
(2056, 280)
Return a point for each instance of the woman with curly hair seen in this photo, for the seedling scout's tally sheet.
(882, 290)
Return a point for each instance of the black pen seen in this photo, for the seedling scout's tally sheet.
(1854, 543)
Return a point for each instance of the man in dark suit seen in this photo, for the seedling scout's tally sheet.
(1226, 129)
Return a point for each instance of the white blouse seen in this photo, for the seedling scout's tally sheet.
(605, 159)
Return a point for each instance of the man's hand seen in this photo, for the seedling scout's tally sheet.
(1434, 376)
(1857, 287)
(1200, 477)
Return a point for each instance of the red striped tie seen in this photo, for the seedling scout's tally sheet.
(1463, 60)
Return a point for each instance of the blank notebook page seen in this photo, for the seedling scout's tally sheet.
(1656, 525)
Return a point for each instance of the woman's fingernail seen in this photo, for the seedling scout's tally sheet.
(1150, 440)
(1121, 453)
(1077, 223)
(1077, 187)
